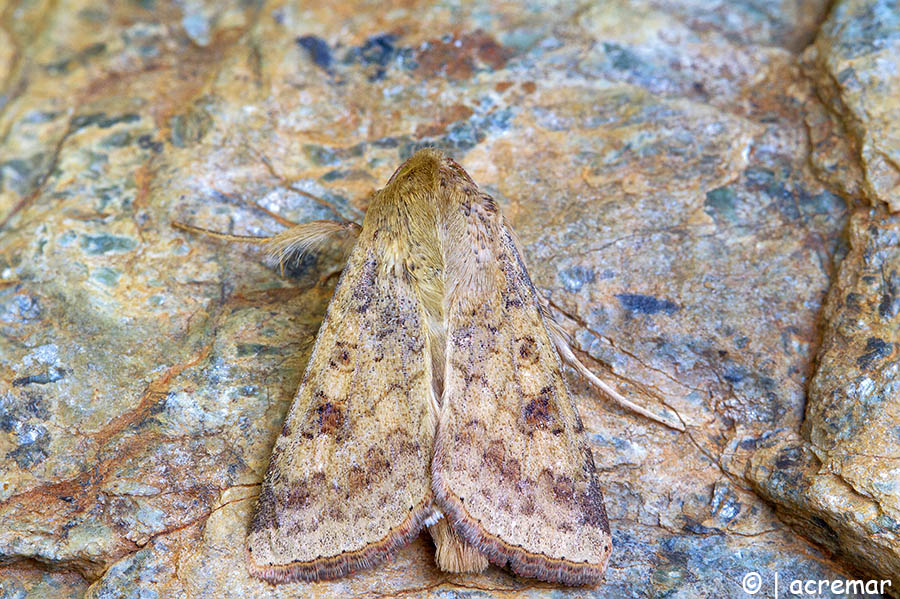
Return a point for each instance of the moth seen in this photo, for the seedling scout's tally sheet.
(434, 396)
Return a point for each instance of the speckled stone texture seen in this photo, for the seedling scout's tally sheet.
(840, 483)
(689, 181)
(855, 56)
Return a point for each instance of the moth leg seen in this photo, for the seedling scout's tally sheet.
(452, 554)
(326, 278)
(561, 341)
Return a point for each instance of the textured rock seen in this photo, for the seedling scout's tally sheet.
(655, 159)
(856, 68)
(838, 484)
(854, 409)
(841, 487)
(24, 580)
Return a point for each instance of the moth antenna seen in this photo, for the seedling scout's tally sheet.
(296, 241)
(256, 206)
(288, 184)
(219, 234)
(562, 342)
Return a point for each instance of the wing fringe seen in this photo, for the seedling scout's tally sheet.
(499, 552)
(329, 568)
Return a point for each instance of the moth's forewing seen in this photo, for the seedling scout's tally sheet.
(512, 468)
(348, 482)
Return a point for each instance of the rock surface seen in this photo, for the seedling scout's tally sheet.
(855, 55)
(682, 177)
(840, 483)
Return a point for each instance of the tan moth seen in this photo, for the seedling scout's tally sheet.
(434, 396)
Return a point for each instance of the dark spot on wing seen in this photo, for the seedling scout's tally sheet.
(563, 489)
(494, 454)
(511, 469)
(527, 507)
(336, 513)
(376, 54)
(329, 417)
(528, 349)
(376, 465)
(342, 356)
(357, 479)
(536, 411)
(513, 301)
(539, 411)
(297, 495)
